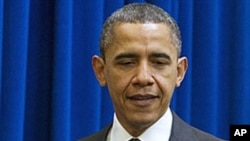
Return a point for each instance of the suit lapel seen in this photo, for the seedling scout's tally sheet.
(180, 130)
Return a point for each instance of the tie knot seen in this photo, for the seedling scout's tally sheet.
(134, 139)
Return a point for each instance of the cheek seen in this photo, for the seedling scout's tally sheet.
(114, 77)
(117, 85)
(166, 82)
(117, 82)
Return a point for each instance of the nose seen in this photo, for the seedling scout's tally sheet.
(143, 76)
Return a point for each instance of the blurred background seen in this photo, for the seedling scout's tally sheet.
(48, 91)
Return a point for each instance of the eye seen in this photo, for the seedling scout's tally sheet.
(160, 62)
(126, 63)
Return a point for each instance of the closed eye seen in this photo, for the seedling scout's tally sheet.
(160, 59)
(126, 63)
(160, 62)
(126, 59)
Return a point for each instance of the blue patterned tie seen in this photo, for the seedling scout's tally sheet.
(134, 139)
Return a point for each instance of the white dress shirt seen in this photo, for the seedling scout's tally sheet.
(159, 131)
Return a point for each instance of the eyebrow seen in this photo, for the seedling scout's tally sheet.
(160, 55)
(133, 55)
(126, 55)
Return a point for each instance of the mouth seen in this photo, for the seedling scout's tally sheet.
(142, 99)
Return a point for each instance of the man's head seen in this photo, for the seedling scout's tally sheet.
(138, 13)
(140, 64)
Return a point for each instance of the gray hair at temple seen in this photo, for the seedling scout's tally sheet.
(138, 13)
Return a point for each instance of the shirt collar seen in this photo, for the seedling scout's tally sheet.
(159, 131)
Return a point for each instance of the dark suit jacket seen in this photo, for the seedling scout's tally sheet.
(181, 131)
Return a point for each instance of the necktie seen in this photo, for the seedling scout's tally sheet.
(134, 139)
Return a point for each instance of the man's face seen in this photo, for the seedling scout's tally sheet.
(141, 70)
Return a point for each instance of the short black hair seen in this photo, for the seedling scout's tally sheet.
(138, 13)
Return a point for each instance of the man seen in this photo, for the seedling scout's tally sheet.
(140, 63)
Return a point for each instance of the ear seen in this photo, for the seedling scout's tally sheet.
(181, 70)
(98, 66)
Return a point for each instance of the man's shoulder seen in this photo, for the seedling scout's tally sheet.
(185, 132)
(99, 136)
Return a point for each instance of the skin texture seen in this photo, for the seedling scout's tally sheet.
(141, 70)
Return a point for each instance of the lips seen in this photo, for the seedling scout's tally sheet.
(142, 99)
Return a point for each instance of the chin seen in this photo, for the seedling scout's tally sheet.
(144, 121)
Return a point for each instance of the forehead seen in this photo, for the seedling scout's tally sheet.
(137, 37)
(141, 30)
